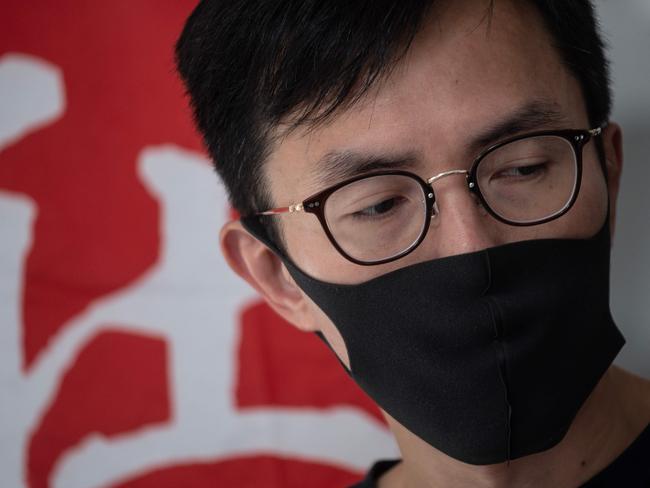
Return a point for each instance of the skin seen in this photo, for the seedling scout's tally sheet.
(459, 77)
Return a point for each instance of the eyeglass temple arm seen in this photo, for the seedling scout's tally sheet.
(598, 130)
(296, 207)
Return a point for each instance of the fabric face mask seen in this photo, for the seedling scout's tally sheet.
(486, 356)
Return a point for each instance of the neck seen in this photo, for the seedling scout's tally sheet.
(611, 418)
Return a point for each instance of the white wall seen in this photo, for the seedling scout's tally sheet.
(626, 24)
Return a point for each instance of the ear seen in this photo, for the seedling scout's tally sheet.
(265, 272)
(613, 143)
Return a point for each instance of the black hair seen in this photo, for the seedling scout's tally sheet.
(251, 65)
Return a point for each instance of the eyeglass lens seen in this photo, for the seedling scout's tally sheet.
(530, 179)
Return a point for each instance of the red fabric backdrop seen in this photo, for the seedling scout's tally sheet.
(132, 356)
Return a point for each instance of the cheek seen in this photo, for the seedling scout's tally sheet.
(593, 198)
(590, 209)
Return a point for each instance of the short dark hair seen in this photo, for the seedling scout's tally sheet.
(251, 65)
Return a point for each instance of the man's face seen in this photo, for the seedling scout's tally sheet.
(463, 76)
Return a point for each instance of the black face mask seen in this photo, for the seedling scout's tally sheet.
(486, 356)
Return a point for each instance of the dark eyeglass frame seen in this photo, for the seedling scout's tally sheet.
(315, 204)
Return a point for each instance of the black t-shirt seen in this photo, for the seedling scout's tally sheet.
(629, 470)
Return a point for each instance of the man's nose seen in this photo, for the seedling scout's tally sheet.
(462, 225)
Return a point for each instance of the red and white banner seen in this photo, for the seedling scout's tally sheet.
(130, 355)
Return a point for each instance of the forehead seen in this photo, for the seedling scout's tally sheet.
(466, 68)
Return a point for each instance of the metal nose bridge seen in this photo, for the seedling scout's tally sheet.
(448, 173)
(431, 180)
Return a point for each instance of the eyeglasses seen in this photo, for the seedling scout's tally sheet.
(384, 215)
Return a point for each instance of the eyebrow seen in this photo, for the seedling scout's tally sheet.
(337, 166)
(535, 115)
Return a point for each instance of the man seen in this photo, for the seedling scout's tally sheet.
(461, 173)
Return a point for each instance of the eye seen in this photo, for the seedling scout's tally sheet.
(380, 209)
(522, 171)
